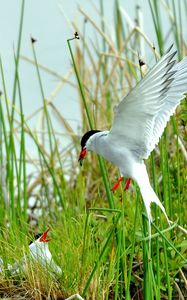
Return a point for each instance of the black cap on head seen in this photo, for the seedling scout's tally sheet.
(86, 136)
(37, 236)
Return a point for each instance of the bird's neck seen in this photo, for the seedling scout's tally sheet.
(39, 250)
(97, 142)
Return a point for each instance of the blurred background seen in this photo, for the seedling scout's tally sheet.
(51, 23)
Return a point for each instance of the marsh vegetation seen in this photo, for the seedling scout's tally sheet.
(99, 238)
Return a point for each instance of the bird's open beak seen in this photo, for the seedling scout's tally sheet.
(82, 155)
(44, 238)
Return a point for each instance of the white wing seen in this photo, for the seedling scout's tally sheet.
(143, 114)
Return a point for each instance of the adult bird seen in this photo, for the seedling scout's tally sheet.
(39, 252)
(139, 122)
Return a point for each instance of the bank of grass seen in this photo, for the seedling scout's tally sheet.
(99, 239)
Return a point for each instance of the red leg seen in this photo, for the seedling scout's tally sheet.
(127, 184)
(116, 185)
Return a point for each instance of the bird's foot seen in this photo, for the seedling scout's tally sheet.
(127, 184)
(116, 185)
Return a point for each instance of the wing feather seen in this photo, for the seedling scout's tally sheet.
(143, 114)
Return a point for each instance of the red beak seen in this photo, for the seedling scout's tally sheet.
(44, 238)
(82, 155)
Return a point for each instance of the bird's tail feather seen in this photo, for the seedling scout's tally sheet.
(149, 197)
(147, 192)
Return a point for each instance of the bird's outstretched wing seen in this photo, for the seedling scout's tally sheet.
(143, 114)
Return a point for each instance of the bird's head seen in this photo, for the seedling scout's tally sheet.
(39, 249)
(86, 143)
(41, 238)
